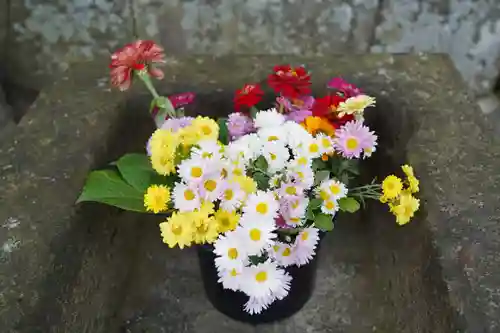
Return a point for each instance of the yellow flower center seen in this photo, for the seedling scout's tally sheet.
(210, 185)
(329, 205)
(232, 253)
(234, 272)
(287, 252)
(228, 195)
(196, 172)
(295, 204)
(189, 195)
(224, 221)
(325, 142)
(238, 172)
(305, 236)
(352, 143)
(261, 208)
(177, 230)
(276, 248)
(291, 190)
(207, 155)
(314, 148)
(223, 173)
(335, 189)
(261, 277)
(255, 235)
(302, 161)
(273, 157)
(206, 130)
(294, 220)
(324, 195)
(272, 138)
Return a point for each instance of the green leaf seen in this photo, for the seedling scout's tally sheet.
(106, 186)
(262, 180)
(261, 163)
(318, 164)
(136, 170)
(350, 205)
(324, 222)
(310, 213)
(320, 176)
(223, 131)
(315, 203)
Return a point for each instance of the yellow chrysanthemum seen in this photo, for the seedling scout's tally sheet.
(178, 230)
(163, 141)
(406, 208)
(356, 104)
(189, 135)
(408, 170)
(413, 184)
(206, 231)
(391, 187)
(247, 184)
(156, 198)
(206, 127)
(163, 163)
(226, 221)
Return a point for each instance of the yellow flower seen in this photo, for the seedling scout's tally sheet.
(226, 221)
(206, 127)
(163, 141)
(163, 163)
(413, 184)
(356, 104)
(408, 170)
(406, 208)
(247, 184)
(156, 198)
(315, 125)
(178, 230)
(189, 135)
(391, 187)
(206, 231)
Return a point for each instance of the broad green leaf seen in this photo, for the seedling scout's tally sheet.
(261, 163)
(106, 186)
(320, 176)
(262, 180)
(315, 203)
(323, 222)
(310, 213)
(350, 205)
(319, 164)
(223, 131)
(136, 170)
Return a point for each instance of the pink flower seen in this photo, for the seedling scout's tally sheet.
(181, 99)
(139, 55)
(349, 90)
(297, 109)
(354, 138)
(238, 125)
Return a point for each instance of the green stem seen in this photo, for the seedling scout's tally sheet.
(144, 76)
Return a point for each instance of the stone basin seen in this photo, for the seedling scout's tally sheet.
(91, 268)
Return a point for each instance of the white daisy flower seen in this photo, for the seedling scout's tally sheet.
(276, 155)
(230, 279)
(368, 151)
(211, 188)
(305, 245)
(263, 280)
(261, 205)
(257, 305)
(231, 252)
(256, 235)
(232, 197)
(268, 118)
(295, 211)
(311, 149)
(296, 134)
(283, 254)
(335, 188)
(186, 198)
(302, 175)
(207, 150)
(268, 134)
(326, 143)
(275, 181)
(290, 190)
(193, 170)
(330, 206)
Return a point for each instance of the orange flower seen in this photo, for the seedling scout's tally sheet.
(315, 125)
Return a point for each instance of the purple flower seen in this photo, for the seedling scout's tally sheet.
(238, 125)
(176, 124)
(354, 138)
(298, 109)
(348, 89)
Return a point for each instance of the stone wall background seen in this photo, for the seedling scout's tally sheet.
(43, 37)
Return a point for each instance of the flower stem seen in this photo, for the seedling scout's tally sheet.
(144, 76)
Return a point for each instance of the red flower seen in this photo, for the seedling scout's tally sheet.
(135, 56)
(326, 107)
(290, 82)
(248, 96)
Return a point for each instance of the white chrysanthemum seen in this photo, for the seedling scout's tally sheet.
(261, 205)
(330, 206)
(211, 188)
(311, 149)
(275, 181)
(245, 148)
(290, 190)
(231, 252)
(268, 118)
(276, 155)
(230, 279)
(232, 197)
(283, 254)
(257, 235)
(207, 150)
(368, 151)
(325, 143)
(193, 170)
(302, 175)
(186, 198)
(296, 134)
(296, 210)
(268, 134)
(336, 189)
(257, 305)
(263, 280)
(305, 245)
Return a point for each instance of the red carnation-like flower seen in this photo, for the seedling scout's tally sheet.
(139, 55)
(326, 107)
(290, 82)
(248, 96)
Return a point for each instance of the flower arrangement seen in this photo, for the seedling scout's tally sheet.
(259, 186)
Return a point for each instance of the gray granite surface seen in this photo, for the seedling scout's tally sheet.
(91, 269)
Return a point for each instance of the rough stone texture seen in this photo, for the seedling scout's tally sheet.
(65, 270)
(59, 32)
(47, 36)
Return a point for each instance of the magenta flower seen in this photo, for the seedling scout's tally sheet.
(181, 99)
(354, 138)
(348, 89)
(238, 125)
(297, 109)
